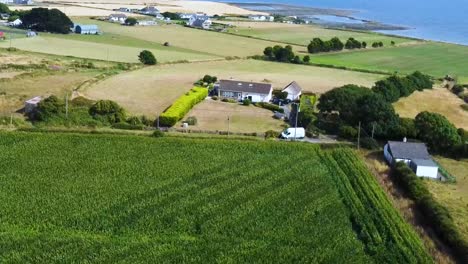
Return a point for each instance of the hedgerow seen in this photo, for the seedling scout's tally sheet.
(269, 106)
(182, 106)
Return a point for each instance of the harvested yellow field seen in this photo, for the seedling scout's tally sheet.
(438, 100)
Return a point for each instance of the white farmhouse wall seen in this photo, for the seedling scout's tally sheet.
(427, 171)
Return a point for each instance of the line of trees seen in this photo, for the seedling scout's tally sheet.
(46, 20)
(394, 87)
(318, 45)
(284, 54)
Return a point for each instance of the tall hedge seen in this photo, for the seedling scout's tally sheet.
(434, 213)
(182, 106)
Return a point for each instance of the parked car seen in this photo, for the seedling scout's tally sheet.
(293, 133)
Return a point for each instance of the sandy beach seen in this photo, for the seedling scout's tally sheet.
(105, 7)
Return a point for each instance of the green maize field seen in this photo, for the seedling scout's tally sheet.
(105, 198)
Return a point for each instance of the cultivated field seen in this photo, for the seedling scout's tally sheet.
(436, 59)
(438, 100)
(213, 115)
(151, 90)
(223, 45)
(454, 196)
(303, 34)
(140, 199)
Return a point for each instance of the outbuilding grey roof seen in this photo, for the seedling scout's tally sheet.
(247, 87)
(424, 162)
(409, 150)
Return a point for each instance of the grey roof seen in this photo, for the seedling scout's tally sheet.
(198, 22)
(294, 86)
(424, 162)
(249, 87)
(408, 150)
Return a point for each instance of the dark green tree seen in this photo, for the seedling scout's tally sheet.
(50, 20)
(172, 16)
(297, 60)
(49, 107)
(364, 44)
(306, 59)
(387, 90)
(4, 8)
(131, 21)
(376, 113)
(336, 44)
(436, 131)
(268, 52)
(106, 110)
(146, 57)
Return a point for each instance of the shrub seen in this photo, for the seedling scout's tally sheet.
(348, 132)
(269, 106)
(131, 21)
(228, 100)
(246, 102)
(182, 106)
(108, 110)
(369, 143)
(215, 98)
(158, 133)
(146, 57)
(192, 121)
(134, 120)
(48, 108)
(81, 101)
(272, 134)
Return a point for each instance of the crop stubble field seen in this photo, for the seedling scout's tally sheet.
(107, 198)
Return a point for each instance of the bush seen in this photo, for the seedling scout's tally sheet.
(131, 21)
(48, 108)
(182, 106)
(43, 19)
(269, 106)
(158, 133)
(369, 143)
(246, 102)
(215, 98)
(134, 120)
(81, 101)
(192, 121)
(146, 57)
(348, 132)
(272, 134)
(228, 100)
(108, 111)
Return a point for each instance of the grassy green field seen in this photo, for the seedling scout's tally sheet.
(151, 90)
(454, 196)
(436, 59)
(303, 34)
(140, 199)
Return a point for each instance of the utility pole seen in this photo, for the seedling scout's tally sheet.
(11, 120)
(66, 105)
(359, 136)
(297, 115)
(229, 123)
(157, 123)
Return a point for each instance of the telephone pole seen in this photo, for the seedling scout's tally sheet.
(359, 136)
(229, 124)
(66, 105)
(297, 115)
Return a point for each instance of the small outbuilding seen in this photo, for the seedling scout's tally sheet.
(294, 91)
(31, 104)
(415, 155)
(31, 34)
(86, 29)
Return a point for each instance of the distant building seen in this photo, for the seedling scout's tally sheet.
(4, 16)
(262, 18)
(23, 2)
(415, 155)
(147, 23)
(239, 90)
(85, 29)
(31, 104)
(120, 18)
(16, 23)
(123, 9)
(200, 22)
(31, 34)
(294, 91)
(149, 10)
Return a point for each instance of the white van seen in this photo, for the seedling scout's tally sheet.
(290, 133)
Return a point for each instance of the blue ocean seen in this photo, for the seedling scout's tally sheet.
(433, 19)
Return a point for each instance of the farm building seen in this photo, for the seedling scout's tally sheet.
(200, 22)
(17, 22)
(31, 34)
(149, 10)
(238, 90)
(415, 155)
(294, 91)
(31, 104)
(261, 18)
(120, 18)
(147, 22)
(85, 29)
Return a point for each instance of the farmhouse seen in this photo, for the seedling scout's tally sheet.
(118, 18)
(149, 10)
(261, 18)
(415, 155)
(238, 90)
(199, 22)
(85, 29)
(17, 22)
(31, 104)
(294, 91)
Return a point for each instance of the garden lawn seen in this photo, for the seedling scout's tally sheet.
(213, 116)
(436, 59)
(102, 198)
(303, 34)
(151, 90)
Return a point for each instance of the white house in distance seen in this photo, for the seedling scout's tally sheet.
(294, 91)
(239, 90)
(262, 18)
(415, 155)
(31, 104)
(16, 23)
(198, 21)
(120, 18)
